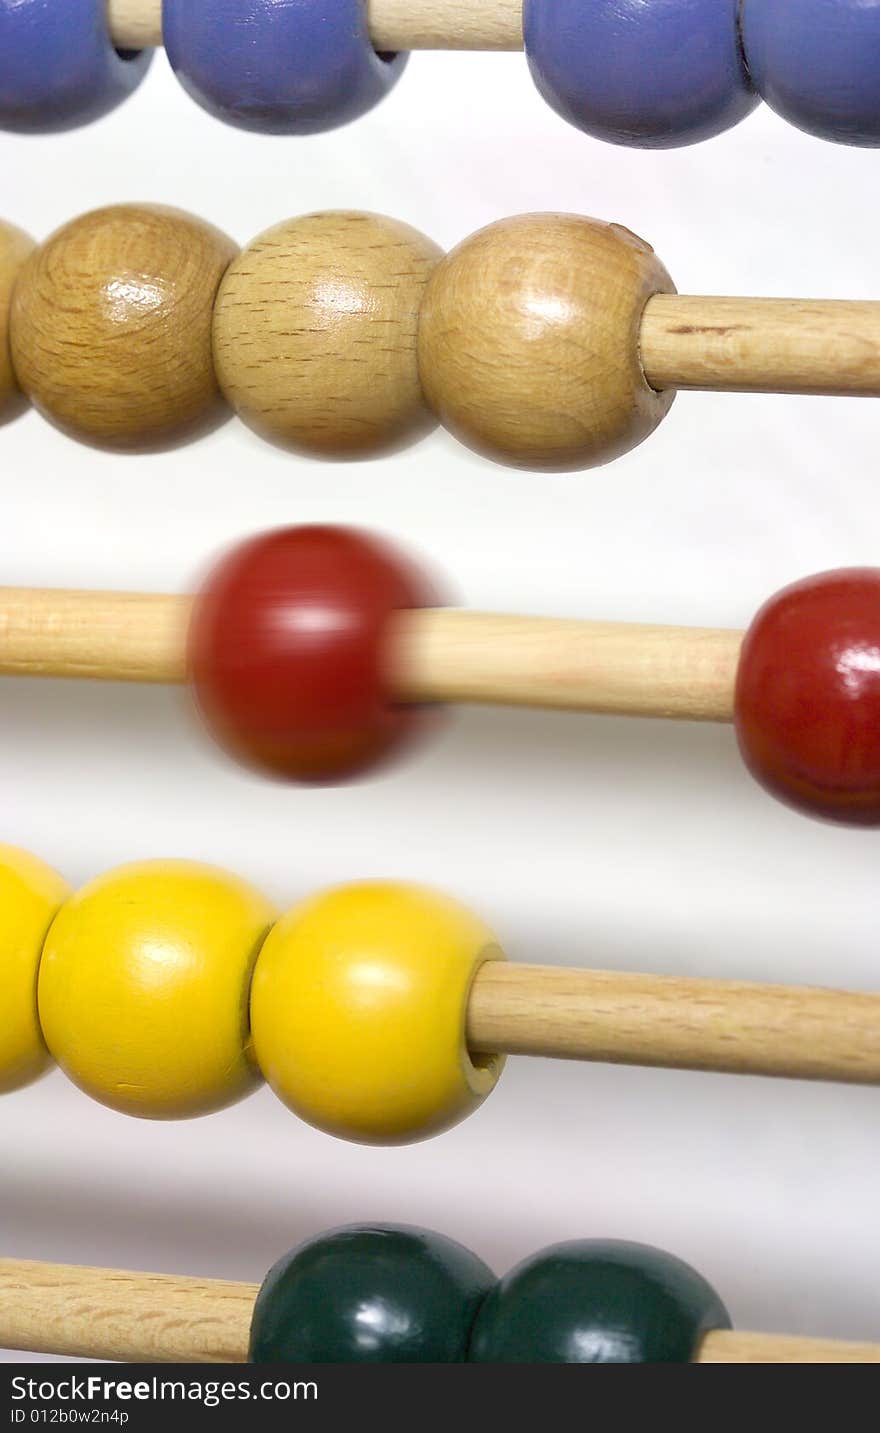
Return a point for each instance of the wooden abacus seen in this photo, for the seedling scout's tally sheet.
(547, 341)
(325, 701)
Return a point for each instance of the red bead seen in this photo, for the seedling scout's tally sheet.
(807, 708)
(289, 652)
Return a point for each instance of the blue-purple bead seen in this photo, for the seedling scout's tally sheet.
(58, 66)
(651, 75)
(278, 66)
(817, 63)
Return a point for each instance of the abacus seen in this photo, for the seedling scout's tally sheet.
(396, 1294)
(671, 73)
(316, 652)
(382, 1012)
(378, 1012)
(549, 341)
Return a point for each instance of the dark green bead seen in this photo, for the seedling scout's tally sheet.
(597, 1301)
(370, 1294)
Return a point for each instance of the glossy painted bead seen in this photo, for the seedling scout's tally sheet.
(143, 989)
(315, 333)
(278, 66)
(30, 895)
(597, 1301)
(15, 247)
(651, 75)
(807, 707)
(58, 66)
(529, 341)
(370, 1294)
(817, 63)
(358, 1012)
(290, 654)
(111, 326)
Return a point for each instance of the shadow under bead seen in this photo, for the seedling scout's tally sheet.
(110, 328)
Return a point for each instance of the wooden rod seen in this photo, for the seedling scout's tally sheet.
(112, 636)
(612, 667)
(161, 1318)
(123, 1318)
(730, 1346)
(394, 24)
(762, 345)
(801, 1033)
(440, 656)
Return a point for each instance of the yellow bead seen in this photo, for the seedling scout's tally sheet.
(144, 983)
(358, 1012)
(30, 894)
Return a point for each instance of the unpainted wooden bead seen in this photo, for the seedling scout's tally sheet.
(111, 326)
(14, 249)
(529, 341)
(315, 333)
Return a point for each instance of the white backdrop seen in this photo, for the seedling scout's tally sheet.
(584, 840)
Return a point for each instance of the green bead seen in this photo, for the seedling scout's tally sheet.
(370, 1294)
(597, 1301)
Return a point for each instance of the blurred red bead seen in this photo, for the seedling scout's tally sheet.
(288, 652)
(807, 707)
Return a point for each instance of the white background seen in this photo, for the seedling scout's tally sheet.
(624, 844)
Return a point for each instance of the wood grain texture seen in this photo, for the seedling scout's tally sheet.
(315, 333)
(731, 1346)
(611, 667)
(15, 247)
(437, 656)
(111, 326)
(394, 24)
(123, 1317)
(529, 341)
(729, 1026)
(762, 345)
(114, 636)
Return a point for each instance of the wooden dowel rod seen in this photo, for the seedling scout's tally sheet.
(762, 345)
(612, 667)
(730, 1346)
(160, 1318)
(123, 1318)
(394, 24)
(614, 1017)
(113, 636)
(441, 656)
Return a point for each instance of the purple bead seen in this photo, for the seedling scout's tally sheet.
(278, 66)
(817, 63)
(649, 73)
(58, 67)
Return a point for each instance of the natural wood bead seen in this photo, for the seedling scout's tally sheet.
(111, 326)
(315, 333)
(14, 249)
(529, 341)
